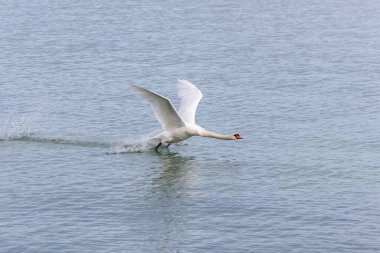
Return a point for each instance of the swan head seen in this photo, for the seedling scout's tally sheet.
(237, 136)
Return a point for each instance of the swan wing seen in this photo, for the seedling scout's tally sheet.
(163, 109)
(190, 96)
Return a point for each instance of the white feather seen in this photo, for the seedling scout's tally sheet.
(190, 96)
(163, 109)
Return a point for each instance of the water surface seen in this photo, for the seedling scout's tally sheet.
(299, 81)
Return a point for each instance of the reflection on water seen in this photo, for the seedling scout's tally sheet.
(175, 172)
(171, 194)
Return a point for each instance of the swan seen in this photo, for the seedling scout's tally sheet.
(177, 125)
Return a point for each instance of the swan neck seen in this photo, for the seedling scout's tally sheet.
(206, 133)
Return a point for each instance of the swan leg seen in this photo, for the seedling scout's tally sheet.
(168, 145)
(156, 148)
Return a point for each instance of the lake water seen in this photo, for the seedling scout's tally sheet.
(299, 80)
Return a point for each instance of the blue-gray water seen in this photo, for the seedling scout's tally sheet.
(299, 80)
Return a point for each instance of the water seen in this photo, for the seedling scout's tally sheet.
(298, 80)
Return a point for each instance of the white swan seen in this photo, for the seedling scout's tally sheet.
(177, 126)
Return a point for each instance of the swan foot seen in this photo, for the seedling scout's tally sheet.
(156, 148)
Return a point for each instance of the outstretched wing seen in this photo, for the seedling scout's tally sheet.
(190, 97)
(162, 107)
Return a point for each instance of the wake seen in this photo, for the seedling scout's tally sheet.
(20, 131)
(143, 144)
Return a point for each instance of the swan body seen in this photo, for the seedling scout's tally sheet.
(177, 125)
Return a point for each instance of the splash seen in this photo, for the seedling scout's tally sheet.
(134, 145)
(15, 130)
